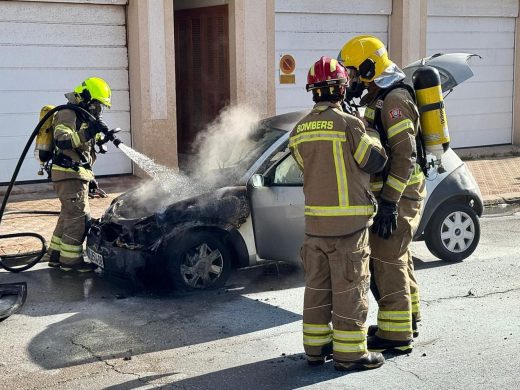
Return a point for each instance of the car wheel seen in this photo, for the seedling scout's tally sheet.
(199, 260)
(453, 232)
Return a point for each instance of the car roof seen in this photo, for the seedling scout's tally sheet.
(285, 122)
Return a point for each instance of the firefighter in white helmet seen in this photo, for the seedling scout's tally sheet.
(400, 190)
(336, 156)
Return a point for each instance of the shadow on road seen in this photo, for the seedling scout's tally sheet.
(106, 321)
(421, 264)
(100, 319)
(282, 373)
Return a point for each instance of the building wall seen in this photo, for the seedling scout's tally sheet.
(151, 54)
(152, 67)
(480, 111)
(407, 33)
(41, 60)
(307, 30)
(252, 53)
(261, 31)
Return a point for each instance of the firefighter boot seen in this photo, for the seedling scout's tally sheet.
(54, 259)
(82, 267)
(369, 361)
(313, 360)
(372, 329)
(378, 344)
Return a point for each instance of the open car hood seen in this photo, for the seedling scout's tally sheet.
(453, 68)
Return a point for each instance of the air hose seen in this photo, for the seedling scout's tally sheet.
(29, 259)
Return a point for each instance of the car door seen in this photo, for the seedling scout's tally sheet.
(278, 211)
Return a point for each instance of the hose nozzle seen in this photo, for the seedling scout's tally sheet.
(110, 136)
(116, 142)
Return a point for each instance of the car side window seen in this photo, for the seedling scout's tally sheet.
(287, 172)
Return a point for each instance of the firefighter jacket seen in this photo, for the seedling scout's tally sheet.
(74, 152)
(396, 119)
(336, 156)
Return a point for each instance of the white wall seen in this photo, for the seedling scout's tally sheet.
(480, 111)
(310, 29)
(41, 59)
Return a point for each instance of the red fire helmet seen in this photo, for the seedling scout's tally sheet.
(326, 72)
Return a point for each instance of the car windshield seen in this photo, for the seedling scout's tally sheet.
(229, 162)
(224, 164)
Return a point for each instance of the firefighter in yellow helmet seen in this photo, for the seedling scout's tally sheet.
(71, 172)
(336, 156)
(390, 109)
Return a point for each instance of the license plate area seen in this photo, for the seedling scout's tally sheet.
(95, 258)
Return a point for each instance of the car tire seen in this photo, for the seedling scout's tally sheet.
(197, 261)
(453, 232)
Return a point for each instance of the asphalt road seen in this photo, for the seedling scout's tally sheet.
(89, 332)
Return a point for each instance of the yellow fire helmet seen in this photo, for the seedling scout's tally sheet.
(367, 55)
(94, 88)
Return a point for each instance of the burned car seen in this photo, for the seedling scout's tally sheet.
(252, 211)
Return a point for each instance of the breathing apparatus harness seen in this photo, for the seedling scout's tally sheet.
(29, 259)
(378, 125)
(432, 134)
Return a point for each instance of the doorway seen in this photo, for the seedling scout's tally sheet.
(201, 69)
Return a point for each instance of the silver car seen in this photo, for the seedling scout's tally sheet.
(254, 212)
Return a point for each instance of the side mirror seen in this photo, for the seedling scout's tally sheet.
(257, 180)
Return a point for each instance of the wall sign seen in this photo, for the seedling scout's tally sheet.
(287, 68)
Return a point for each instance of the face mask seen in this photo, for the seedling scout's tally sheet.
(95, 108)
(355, 89)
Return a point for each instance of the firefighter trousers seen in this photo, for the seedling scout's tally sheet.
(393, 283)
(337, 279)
(73, 222)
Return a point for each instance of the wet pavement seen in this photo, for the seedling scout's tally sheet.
(91, 332)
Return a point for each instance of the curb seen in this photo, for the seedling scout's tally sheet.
(511, 198)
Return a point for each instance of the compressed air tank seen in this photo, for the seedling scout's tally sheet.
(44, 138)
(434, 124)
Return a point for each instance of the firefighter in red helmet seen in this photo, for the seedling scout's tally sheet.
(337, 156)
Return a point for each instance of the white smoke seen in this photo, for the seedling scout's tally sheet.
(224, 142)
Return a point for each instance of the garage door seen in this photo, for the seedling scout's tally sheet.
(480, 112)
(46, 49)
(309, 29)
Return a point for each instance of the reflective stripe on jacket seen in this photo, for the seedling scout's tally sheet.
(332, 148)
(71, 141)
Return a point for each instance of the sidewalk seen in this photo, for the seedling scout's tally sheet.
(41, 197)
(496, 170)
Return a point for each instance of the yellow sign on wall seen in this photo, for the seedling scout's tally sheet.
(287, 68)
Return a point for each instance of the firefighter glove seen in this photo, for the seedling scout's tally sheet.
(99, 126)
(385, 221)
(93, 186)
(94, 191)
(111, 134)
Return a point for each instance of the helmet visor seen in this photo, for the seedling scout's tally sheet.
(96, 108)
